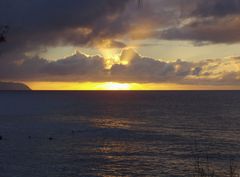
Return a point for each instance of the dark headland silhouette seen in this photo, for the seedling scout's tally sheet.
(13, 86)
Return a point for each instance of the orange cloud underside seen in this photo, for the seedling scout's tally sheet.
(119, 86)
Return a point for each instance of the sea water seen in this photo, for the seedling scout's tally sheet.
(71, 134)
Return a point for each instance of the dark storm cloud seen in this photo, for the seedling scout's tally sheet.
(35, 23)
(215, 21)
(205, 31)
(218, 8)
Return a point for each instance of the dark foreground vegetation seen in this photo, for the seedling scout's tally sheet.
(203, 166)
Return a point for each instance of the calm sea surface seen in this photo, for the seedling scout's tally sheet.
(71, 134)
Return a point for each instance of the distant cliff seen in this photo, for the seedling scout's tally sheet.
(13, 86)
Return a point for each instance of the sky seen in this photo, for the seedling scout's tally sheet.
(111, 45)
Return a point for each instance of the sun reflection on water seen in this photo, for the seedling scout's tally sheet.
(112, 123)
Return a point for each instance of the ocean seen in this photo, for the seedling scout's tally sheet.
(141, 133)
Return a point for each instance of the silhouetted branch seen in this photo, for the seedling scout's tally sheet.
(3, 32)
(140, 4)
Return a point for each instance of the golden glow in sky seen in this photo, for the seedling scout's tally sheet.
(83, 86)
(114, 86)
(111, 57)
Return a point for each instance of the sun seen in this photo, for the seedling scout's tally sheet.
(114, 86)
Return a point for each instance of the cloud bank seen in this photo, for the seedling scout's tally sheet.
(140, 69)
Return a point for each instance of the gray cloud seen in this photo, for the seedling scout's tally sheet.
(81, 68)
(36, 25)
(39, 24)
(205, 31)
(204, 22)
(217, 8)
(76, 67)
